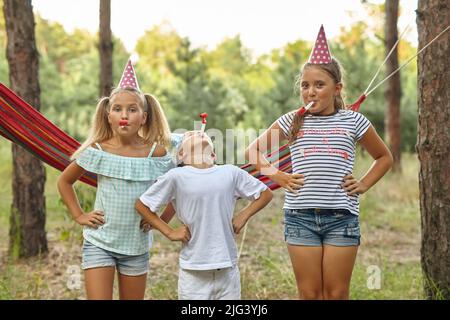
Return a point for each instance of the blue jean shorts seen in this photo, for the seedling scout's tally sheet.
(95, 257)
(317, 227)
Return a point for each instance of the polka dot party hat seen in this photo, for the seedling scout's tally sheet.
(320, 54)
(129, 77)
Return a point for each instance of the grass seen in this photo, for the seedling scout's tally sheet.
(390, 226)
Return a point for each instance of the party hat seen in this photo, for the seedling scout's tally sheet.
(320, 54)
(129, 77)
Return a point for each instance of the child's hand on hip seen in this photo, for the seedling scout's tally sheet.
(180, 234)
(93, 219)
(145, 226)
(290, 182)
(239, 222)
(353, 186)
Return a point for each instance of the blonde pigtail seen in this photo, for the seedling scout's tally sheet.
(100, 128)
(156, 127)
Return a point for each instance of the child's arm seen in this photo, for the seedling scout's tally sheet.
(180, 234)
(65, 187)
(245, 214)
(168, 213)
(372, 142)
(166, 216)
(269, 140)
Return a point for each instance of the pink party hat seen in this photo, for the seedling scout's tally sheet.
(320, 54)
(129, 77)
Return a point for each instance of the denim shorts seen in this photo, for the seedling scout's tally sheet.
(95, 257)
(317, 227)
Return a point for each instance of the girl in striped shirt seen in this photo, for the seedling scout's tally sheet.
(321, 206)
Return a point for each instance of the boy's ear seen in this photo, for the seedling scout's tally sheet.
(180, 155)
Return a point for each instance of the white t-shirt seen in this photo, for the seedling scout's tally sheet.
(205, 200)
(324, 152)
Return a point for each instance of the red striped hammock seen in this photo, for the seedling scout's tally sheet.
(23, 125)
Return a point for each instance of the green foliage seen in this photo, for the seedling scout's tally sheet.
(4, 70)
(434, 290)
(69, 75)
(197, 90)
(229, 59)
(283, 95)
(3, 63)
(158, 45)
(5, 292)
(398, 282)
(86, 197)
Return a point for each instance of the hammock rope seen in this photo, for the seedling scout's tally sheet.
(408, 61)
(385, 59)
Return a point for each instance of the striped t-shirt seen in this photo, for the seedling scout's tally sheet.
(324, 152)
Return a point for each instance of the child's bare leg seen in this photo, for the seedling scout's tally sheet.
(132, 287)
(99, 283)
(307, 265)
(338, 265)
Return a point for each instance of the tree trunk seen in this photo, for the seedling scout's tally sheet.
(27, 230)
(105, 48)
(393, 91)
(433, 146)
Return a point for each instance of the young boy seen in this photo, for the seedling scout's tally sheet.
(204, 196)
